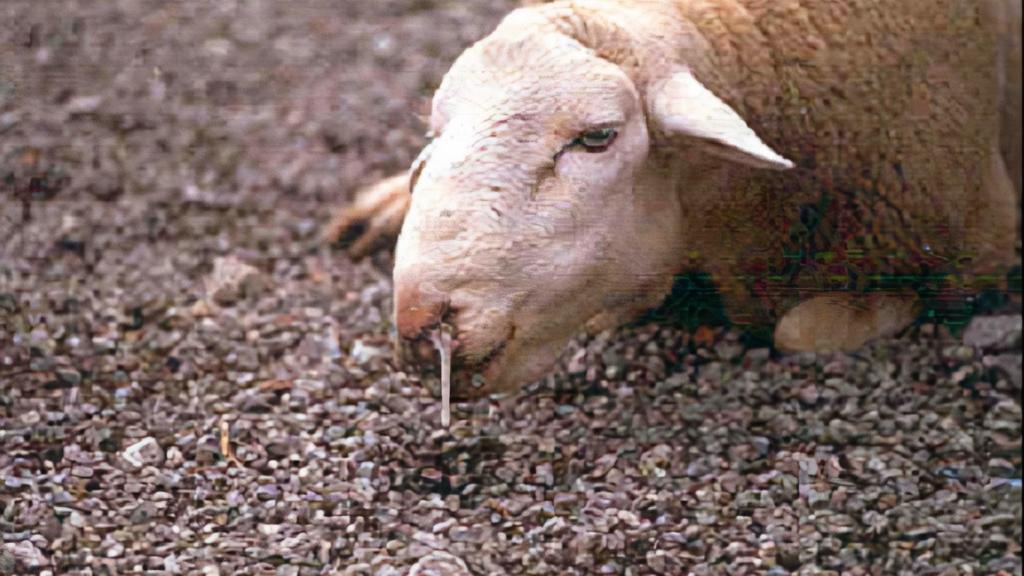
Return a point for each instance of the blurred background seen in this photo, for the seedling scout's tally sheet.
(142, 119)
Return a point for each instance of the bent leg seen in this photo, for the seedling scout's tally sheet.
(995, 218)
(376, 214)
(844, 321)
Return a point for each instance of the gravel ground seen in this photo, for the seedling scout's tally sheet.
(191, 384)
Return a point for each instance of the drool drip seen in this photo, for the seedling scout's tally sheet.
(443, 342)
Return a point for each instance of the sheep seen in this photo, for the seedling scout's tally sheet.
(829, 164)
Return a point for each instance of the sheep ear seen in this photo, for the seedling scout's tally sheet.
(682, 106)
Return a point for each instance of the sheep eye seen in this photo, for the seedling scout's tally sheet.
(597, 140)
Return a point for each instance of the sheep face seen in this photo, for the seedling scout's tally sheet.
(528, 217)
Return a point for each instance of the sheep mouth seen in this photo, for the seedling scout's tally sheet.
(489, 358)
(470, 379)
(477, 377)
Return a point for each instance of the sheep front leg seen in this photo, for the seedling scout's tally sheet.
(842, 322)
(376, 215)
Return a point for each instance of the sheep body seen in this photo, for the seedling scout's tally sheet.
(894, 112)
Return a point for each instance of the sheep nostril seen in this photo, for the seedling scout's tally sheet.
(447, 315)
(420, 352)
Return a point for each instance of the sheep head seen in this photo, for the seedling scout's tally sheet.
(538, 207)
